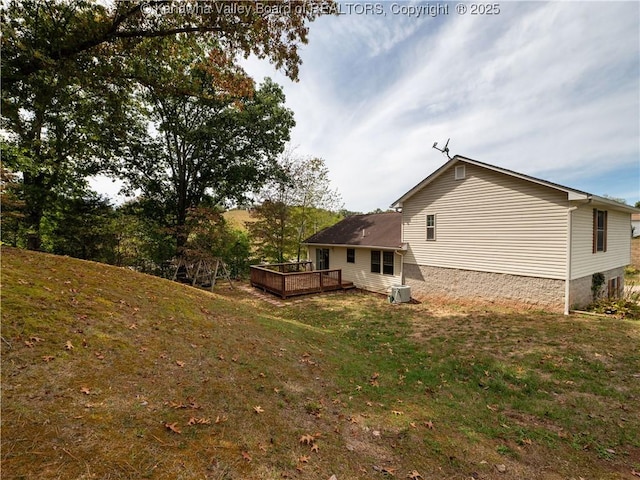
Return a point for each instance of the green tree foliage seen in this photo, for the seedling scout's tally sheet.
(273, 234)
(81, 226)
(211, 148)
(12, 207)
(48, 34)
(144, 241)
(71, 71)
(65, 118)
(211, 238)
(295, 204)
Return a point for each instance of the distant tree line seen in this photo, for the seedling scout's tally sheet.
(139, 235)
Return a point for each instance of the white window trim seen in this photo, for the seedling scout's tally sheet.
(426, 227)
(460, 172)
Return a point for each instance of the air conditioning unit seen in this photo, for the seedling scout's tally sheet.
(400, 294)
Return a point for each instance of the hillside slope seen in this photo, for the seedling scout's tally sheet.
(110, 374)
(239, 218)
(114, 374)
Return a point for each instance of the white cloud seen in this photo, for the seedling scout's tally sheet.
(542, 88)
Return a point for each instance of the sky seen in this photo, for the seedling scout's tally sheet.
(548, 89)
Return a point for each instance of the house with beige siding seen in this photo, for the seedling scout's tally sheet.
(367, 248)
(474, 230)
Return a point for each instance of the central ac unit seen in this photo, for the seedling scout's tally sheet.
(400, 294)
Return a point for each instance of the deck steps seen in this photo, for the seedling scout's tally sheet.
(348, 286)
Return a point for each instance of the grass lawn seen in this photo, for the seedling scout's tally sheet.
(110, 374)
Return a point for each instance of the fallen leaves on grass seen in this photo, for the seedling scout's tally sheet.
(385, 470)
(173, 427)
(180, 363)
(199, 421)
(85, 390)
(189, 403)
(414, 475)
(258, 409)
(307, 439)
(68, 345)
(48, 358)
(246, 456)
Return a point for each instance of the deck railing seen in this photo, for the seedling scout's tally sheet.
(285, 281)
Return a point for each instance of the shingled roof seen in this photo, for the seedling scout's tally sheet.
(381, 230)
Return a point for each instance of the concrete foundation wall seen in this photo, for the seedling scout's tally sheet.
(425, 282)
(580, 294)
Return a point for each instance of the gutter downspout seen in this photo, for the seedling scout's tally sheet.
(401, 255)
(567, 281)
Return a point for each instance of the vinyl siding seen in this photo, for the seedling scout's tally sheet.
(490, 222)
(583, 261)
(360, 272)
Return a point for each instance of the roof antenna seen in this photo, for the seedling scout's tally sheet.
(444, 150)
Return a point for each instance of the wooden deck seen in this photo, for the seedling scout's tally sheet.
(290, 279)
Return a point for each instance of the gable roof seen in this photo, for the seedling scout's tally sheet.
(382, 230)
(572, 193)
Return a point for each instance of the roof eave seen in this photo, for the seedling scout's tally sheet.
(572, 194)
(613, 204)
(402, 246)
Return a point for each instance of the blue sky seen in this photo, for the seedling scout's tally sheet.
(549, 89)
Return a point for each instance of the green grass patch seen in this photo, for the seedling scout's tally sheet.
(110, 374)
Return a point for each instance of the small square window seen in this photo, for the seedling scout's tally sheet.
(460, 172)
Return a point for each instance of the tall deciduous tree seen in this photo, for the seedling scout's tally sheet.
(70, 71)
(294, 204)
(215, 146)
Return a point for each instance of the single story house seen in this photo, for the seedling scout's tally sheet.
(367, 248)
(474, 230)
